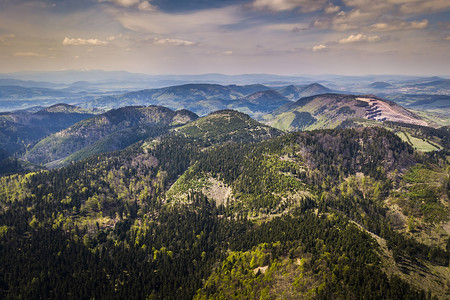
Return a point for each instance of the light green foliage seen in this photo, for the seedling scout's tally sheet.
(3, 230)
(15, 188)
(420, 144)
(425, 193)
(254, 274)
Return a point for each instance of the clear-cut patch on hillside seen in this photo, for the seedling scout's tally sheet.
(382, 111)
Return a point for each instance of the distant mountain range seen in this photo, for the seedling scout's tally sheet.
(204, 98)
(91, 87)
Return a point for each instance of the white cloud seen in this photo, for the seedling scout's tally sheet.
(293, 27)
(372, 5)
(83, 42)
(229, 52)
(27, 54)
(322, 23)
(448, 38)
(366, 12)
(283, 5)
(318, 48)
(123, 3)
(167, 24)
(141, 5)
(402, 6)
(173, 42)
(353, 19)
(394, 26)
(146, 6)
(331, 8)
(426, 6)
(354, 38)
(5, 37)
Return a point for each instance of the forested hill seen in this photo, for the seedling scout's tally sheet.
(20, 130)
(227, 125)
(322, 214)
(141, 120)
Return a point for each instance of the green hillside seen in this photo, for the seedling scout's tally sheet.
(87, 132)
(225, 207)
(227, 125)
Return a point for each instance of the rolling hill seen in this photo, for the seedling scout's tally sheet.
(176, 97)
(226, 126)
(380, 85)
(22, 129)
(201, 99)
(87, 132)
(294, 93)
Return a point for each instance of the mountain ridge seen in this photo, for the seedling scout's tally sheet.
(85, 133)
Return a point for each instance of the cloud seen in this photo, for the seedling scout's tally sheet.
(123, 3)
(284, 5)
(373, 5)
(426, 6)
(353, 19)
(394, 26)
(141, 5)
(5, 37)
(229, 52)
(318, 48)
(146, 6)
(168, 24)
(27, 54)
(173, 42)
(402, 6)
(365, 12)
(331, 8)
(83, 42)
(291, 27)
(447, 38)
(354, 38)
(322, 23)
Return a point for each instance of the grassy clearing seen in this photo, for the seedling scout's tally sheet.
(422, 145)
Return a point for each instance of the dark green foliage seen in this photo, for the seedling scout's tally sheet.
(136, 121)
(18, 131)
(302, 120)
(227, 126)
(346, 110)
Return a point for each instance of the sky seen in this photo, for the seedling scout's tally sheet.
(286, 37)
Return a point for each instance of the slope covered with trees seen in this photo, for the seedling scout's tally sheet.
(89, 131)
(308, 215)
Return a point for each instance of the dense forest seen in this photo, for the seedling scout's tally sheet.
(308, 215)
